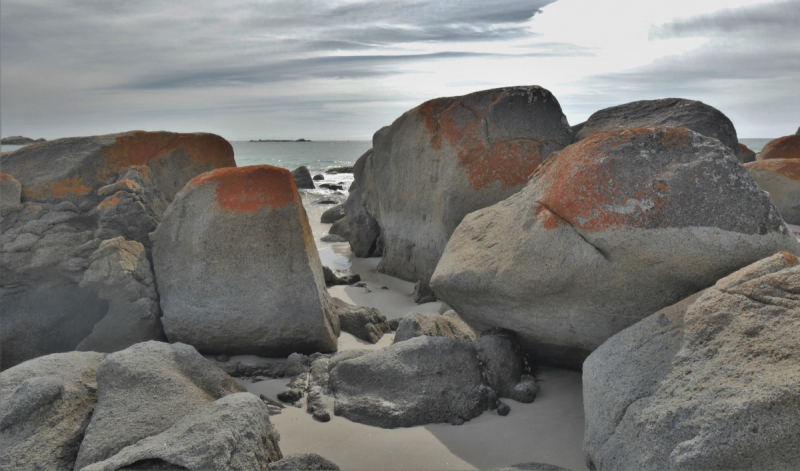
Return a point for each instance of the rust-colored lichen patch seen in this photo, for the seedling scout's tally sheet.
(72, 186)
(789, 259)
(484, 162)
(588, 185)
(787, 147)
(248, 189)
(5, 178)
(789, 168)
(110, 202)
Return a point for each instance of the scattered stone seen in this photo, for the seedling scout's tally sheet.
(10, 195)
(332, 199)
(421, 291)
(332, 238)
(341, 228)
(290, 395)
(18, 141)
(318, 177)
(302, 178)
(781, 179)
(321, 415)
(394, 324)
(365, 323)
(332, 186)
(303, 462)
(710, 383)
(787, 147)
(144, 390)
(352, 279)
(335, 170)
(463, 153)
(384, 287)
(447, 325)
(598, 256)
(745, 154)
(238, 271)
(332, 215)
(297, 364)
(503, 408)
(45, 405)
(421, 381)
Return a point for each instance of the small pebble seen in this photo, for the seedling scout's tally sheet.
(384, 287)
(503, 408)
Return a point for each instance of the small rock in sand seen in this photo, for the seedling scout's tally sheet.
(303, 462)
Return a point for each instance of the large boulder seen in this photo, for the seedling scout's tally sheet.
(365, 232)
(366, 323)
(341, 228)
(332, 215)
(423, 380)
(610, 230)
(710, 384)
(231, 433)
(449, 157)
(302, 178)
(781, 179)
(787, 147)
(143, 391)
(674, 112)
(45, 405)
(238, 270)
(434, 325)
(76, 193)
(745, 154)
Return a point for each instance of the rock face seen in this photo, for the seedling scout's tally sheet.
(745, 154)
(302, 178)
(447, 325)
(781, 179)
(787, 147)
(366, 323)
(674, 112)
(612, 229)
(447, 158)
(712, 384)
(74, 194)
(145, 390)
(45, 405)
(365, 232)
(423, 380)
(332, 215)
(232, 433)
(238, 271)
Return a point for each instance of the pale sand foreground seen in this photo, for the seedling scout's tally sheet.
(550, 430)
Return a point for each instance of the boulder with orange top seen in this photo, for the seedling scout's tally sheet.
(786, 147)
(610, 230)
(237, 268)
(448, 157)
(781, 179)
(677, 112)
(745, 154)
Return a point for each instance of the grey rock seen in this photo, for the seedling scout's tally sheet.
(336, 170)
(302, 178)
(421, 381)
(318, 177)
(321, 415)
(296, 364)
(711, 383)
(231, 433)
(677, 112)
(303, 462)
(332, 238)
(781, 179)
(332, 215)
(428, 299)
(143, 391)
(421, 291)
(364, 228)
(241, 274)
(331, 279)
(745, 154)
(531, 467)
(444, 308)
(331, 186)
(681, 214)
(120, 272)
(394, 324)
(290, 395)
(503, 365)
(447, 325)
(332, 199)
(503, 409)
(45, 405)
(10, 195)
(577, 128)
(366, 323)
(449, 157)
(341, 228)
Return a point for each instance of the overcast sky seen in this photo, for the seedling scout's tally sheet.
(249, 69)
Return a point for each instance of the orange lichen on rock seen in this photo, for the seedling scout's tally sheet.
(789, 259)
(586, 183)
(109, 202)
(5, 178)
(72, 186)
(787, 147)
(789, 168)
(248, 189)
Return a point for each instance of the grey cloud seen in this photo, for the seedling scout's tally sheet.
(779, 19)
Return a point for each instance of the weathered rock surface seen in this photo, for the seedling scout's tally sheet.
(366, 323)
(303, 462)
(612, 229)
(341, 228)
(146, 389)
(238, 270)
(449, 157)
(423, 380)
(302, 178)
(231, 433)
(364, 229)
(781, 179)
(745, 154)
(674, 112)
(332, 215)
(120, 273)
(503, 365)
(336, 170)
(76, 193)
(45, 405)
(447, 325)
(711, 385)
(787, 147)
(10, 195)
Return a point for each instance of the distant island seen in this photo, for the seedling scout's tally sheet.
(279, 140)
(18, 140)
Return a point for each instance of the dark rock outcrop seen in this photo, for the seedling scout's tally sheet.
(364, 228)
(302, 178)
(745, 154)
(332, 215)
(19, 141)
(303, 462)
(611, 229)
(341, 228)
